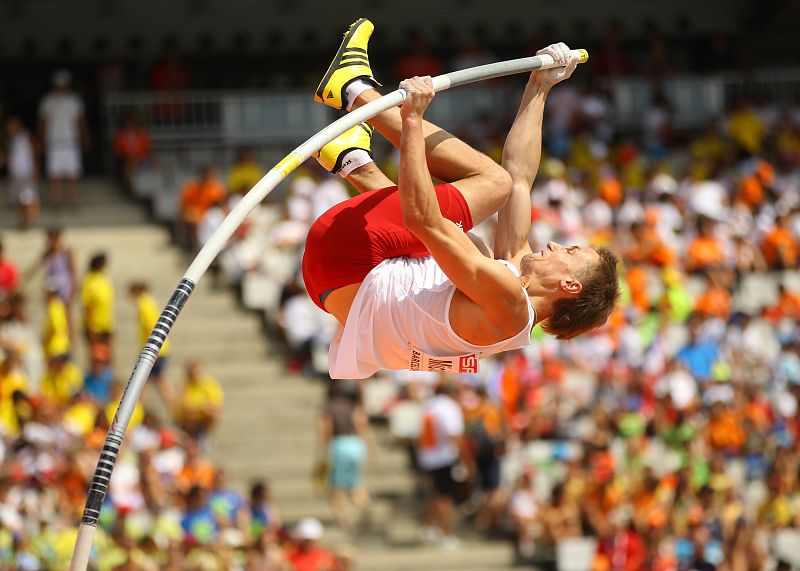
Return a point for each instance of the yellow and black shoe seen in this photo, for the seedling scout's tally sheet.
(350, 63)
(332, 156)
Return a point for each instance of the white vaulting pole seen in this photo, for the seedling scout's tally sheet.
(141, 371)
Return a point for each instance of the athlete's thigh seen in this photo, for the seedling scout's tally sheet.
(485, 194)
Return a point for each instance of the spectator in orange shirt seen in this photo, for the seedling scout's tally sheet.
(638, 279)
(715, 301)
(788, 303)
(705, 251)
(724, 430)
(609, 188)
(132, 146)
(780, 246)
(196, 471)
(196, 198)
(648, 247)
(306, 554)
(754, 187)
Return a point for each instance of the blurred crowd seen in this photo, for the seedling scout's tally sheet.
(168, 506)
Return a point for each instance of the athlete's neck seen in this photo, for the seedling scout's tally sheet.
(541, 301)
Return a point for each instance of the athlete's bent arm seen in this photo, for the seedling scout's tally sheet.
(488, 284)
(521, 155)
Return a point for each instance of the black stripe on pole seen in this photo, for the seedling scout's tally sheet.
(108, 457)
(101, 479)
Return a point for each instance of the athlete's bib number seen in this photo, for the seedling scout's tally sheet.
(421, 361)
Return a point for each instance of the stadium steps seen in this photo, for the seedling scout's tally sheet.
(267, 427)
(101, 202)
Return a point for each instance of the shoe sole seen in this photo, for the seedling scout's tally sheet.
(320, 93)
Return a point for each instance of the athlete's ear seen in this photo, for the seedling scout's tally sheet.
(571, 286)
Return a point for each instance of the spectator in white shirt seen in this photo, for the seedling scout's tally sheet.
(443, 454)
(22, 172)
(64, 132)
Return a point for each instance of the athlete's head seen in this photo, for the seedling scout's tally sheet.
(580, 283)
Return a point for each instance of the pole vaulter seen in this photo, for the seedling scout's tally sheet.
(420, 90)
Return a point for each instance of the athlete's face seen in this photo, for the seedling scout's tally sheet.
(558, 267)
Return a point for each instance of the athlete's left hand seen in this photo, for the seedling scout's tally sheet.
(563, 57)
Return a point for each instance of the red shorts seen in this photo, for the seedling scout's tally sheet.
(353, 237)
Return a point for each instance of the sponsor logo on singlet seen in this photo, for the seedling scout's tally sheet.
(421, 361)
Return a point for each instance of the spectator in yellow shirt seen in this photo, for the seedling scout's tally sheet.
(110, 410)
(61, 380)
(55, 337)
(746, 129)
(244, 173)
(97, 297)
(200, 401)
(12, 381)
(147, 312)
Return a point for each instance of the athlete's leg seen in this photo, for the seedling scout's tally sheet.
(369, 177)
(484, 184)
(350, 155)
(349, 83)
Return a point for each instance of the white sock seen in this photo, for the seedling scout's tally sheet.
(356, 88)
(354, 159)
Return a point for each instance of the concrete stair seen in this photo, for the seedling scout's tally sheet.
(267, 427)
(100, 203)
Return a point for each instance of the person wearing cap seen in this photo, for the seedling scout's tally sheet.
(64, 131)
(306, 554)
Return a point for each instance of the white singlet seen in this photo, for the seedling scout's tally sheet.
(399, 319)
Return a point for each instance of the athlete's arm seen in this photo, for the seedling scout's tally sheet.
(521, 155)
(485, 282)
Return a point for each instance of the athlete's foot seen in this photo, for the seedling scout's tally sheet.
(350, 64)
(348, 151)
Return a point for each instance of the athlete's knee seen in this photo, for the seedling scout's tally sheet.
(499, 179)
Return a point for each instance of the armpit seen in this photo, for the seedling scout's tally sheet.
(480, 244)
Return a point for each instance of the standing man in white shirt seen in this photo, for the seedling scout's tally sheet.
(444, 455)
(64, 133)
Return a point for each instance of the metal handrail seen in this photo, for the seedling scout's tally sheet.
(255, 116)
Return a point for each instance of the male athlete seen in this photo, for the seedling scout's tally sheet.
(395, 266)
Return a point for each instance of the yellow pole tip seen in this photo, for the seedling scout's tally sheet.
(584, 56)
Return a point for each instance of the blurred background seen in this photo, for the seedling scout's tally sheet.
(668, 440)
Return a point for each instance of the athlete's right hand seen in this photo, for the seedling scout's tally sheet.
(562, 55)
(419, 93)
